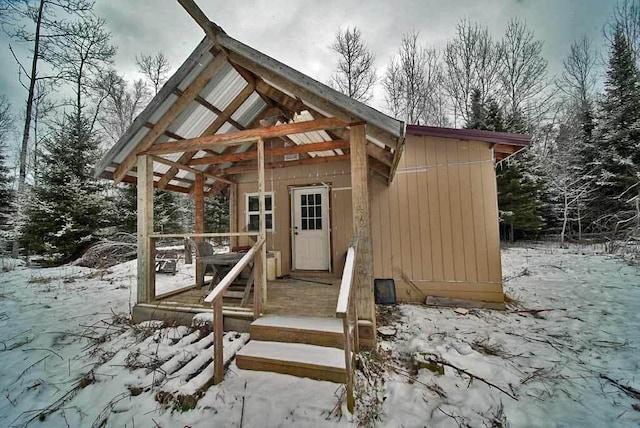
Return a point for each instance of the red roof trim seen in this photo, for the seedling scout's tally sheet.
(471, 134)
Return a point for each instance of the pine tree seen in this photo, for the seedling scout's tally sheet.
(65, 208)
(519, 187)
(7, 202)
(618, 139)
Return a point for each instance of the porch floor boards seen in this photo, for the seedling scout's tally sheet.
(284, 297)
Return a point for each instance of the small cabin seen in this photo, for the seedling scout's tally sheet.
(329, 193)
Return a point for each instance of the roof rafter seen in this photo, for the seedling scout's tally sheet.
(309, 161)
(250, 155)
(247, 136)
(211, 129)
(174, 111)
(323, 104)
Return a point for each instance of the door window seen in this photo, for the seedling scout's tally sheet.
(311, 211)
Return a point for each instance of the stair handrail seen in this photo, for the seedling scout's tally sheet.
(347, 309)
(215, 298)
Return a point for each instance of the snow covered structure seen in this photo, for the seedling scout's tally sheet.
(337, 187)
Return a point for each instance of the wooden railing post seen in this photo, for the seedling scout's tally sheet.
(218, 333)
(348, 364)
(198, 202)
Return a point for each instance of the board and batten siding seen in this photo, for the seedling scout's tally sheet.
(435, 229)
(336, 174)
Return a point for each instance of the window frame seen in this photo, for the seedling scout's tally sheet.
(249, 213)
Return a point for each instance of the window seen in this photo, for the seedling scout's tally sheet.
(253, 211)
(311, 211)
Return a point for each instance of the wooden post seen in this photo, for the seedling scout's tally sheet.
(198, 197)
(263, 220)
(218, 333)
(362, 228)
(233, 214)
(146, 251)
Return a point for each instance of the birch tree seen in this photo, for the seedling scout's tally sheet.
(154, 68)
(471, 62)
(355, 73)
(45, 19)
(410, 80)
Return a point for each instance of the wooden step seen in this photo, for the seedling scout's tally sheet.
(297, 359)
(308, 330)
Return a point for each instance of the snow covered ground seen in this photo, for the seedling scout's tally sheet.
(61, 347)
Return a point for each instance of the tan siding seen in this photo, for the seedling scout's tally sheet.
(423, 197)
(469, 240)
(279, 181)
(455, 211)
(444, 204)
(443, 226)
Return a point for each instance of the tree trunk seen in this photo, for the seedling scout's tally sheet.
(22, 177)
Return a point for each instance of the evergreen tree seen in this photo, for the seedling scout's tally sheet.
(169, 215)
(618, 138)
(65, 208)
(7, 202)
(519, 187)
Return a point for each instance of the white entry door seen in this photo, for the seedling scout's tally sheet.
(310, 219)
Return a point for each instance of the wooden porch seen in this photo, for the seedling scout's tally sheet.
(299, 297)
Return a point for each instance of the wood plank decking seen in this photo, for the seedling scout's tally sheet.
(284, 297)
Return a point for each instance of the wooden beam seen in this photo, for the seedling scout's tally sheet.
(246, 136)
(211, 129)
(268, 111)
(210, 29)
(206, 104)
(198, 202)
(309, 96)
(188, 168)
(165, 121)
(374, 150)
(397, 155)
(279, 97)
(250, 155)
(233, 214)
(133, 180)
(362, 225)
(239, 169)
(167, 132)
(260, 268)
(379, 167)
(146, 260)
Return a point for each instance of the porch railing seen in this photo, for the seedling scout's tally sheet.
(215, 298)
(347, 309)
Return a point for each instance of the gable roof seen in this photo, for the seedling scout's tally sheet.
(226, 86)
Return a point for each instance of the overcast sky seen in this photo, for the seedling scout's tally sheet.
(299, 33)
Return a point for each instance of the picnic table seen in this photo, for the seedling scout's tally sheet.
(220, 265)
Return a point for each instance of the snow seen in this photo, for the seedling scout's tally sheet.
(60, 343)
(551, 361)
(330, 325)
(296, 353)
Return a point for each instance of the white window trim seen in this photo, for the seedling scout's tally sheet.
(271, 211)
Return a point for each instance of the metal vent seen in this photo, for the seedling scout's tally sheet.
(292, 157)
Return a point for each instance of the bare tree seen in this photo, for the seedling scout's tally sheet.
(6, 120)
(626, 16)
(122, 104)
(523, 72)
(410, 79)
(82, 57)
(578, 77)
(471, 63)
(46, 16)
(393, 84)
(355, 72)
(154, 68)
